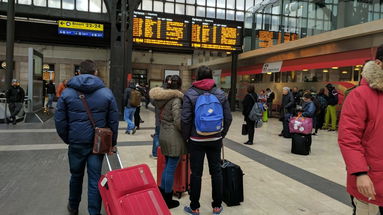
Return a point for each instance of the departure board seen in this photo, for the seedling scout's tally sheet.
(269, 38)
(149, 28)
(152, 29)
(208, 34)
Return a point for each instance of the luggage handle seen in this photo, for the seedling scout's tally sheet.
(118, 158)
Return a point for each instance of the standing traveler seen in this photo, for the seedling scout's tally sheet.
(75, 129)
(309, 110)
(297, 94)
(205, 135)
(360, 139)
(61, 88)
(263, 100)
(322, 99)
(15, 99)
(132, 99)
(248, 102)
(287, 111)
(270, 100)
(332, 102)
(156, 136)
(173, 146)
(137, 114)
(51, 91)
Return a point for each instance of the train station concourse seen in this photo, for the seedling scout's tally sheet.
(159, 107)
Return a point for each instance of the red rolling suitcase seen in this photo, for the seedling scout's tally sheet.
(182, 175)
(131, 190)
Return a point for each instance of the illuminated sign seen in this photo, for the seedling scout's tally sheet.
(209, 34)
(269, 38)
(149, 28)
(154, 29)
(80, 29)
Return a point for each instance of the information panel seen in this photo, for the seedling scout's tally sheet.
(269, 38)
(209, 34)
(149, 28)
(80, 29)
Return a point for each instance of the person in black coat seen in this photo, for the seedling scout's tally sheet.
(51, 91)
(287, 110)
(248, 102)
(270, 99)
(15, 98)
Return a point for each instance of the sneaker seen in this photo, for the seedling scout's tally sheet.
(127, 132)
(134, 130)
(217, 211)
(72, 211)
(153, 157)
(188, 210)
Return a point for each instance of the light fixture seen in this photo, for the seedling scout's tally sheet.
(334, 67)
(4, 65)
(325, 70)
(344, 72)
(357, 69)
(45, 67)
(269, 73)
(359, 65)
(305, 70)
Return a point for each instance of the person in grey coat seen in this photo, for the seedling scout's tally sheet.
(173, 146)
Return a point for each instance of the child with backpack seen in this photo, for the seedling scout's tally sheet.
(205, 121)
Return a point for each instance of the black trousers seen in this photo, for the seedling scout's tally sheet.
(251, 130)
(14, 108)
(197, 155)
(320, 120)
(137, 117)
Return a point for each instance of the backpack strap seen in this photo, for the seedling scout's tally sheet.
(253, 98)
(86, 106)
(200, 92)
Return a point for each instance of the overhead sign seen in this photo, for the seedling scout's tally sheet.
(270, 38)
(80, 29)
(272, 67)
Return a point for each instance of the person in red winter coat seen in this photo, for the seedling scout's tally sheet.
(361, 139)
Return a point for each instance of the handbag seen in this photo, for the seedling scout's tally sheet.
(245, 130)
(102, 143)
(301, 125)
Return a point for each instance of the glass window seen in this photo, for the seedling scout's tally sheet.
(230, 14)
(158, 6)
(190, 10)
(220, 14)
(180, 1)
(147, 5)
(356, 74)
(68, 4)
(82, 5)
(201, 2)
(249, 3)
(201, 11)
(180, 9)
(311, 10)
(104, 9)
(42, 3)
(240, 5)
(230, 4)
(239, 16)
(95, 6)
(169, 7)
(28, 2)
(190, 1)
(276, 9)
(210, 12)
(221, 3)
(211, 3)
(345, 74)
(277, 77)
(170, 0)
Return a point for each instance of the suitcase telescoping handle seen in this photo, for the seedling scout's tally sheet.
(118, 158)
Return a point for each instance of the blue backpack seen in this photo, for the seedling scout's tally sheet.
(208, 113)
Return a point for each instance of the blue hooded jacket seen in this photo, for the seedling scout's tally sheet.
(72, 121)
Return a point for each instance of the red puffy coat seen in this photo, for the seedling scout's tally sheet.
(361, 132)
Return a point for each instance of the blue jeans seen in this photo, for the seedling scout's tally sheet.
(79, 157)
(156, 141)
(50, 99)
(128, 116)
(168, 174)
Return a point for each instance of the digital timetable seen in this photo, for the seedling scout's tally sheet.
(164, 30)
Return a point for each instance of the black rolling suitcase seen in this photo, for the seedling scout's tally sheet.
(232, 183)
(301, 144)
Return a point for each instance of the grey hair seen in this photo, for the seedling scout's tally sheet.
(286, 88)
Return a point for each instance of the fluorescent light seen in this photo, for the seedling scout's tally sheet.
(305, 70)
(334, 67)
(325, 70)
(269, 73)
(359, 65)
(344, 72)
(357, 69)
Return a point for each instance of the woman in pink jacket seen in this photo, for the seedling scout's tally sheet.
(361, 139)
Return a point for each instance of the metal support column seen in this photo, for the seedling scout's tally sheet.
(10, 41)
(233, 90)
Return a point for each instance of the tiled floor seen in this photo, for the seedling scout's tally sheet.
(35, 172)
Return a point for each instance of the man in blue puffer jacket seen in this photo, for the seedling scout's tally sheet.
(76, 130)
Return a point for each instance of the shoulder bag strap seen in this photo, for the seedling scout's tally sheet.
(253, 98)
(85, 104)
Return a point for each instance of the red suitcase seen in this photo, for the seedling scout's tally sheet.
(131, 190)
(182, 176)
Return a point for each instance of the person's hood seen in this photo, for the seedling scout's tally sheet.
(161, 96)
(86, 83)
(373, 75)
(205, 84)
